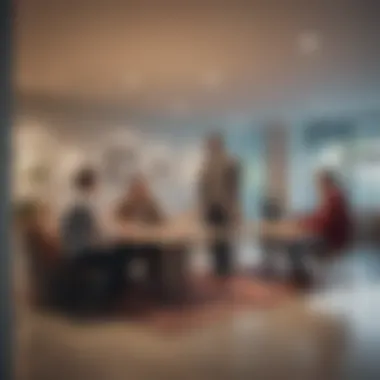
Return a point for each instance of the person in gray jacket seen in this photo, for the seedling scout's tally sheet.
(219, 199)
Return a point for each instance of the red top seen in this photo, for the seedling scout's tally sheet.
(332, 220)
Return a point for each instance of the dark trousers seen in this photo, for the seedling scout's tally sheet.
(216, 216)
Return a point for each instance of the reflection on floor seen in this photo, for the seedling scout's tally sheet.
(333, 334)
(208, 302)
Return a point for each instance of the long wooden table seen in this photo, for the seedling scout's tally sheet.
(196, 232)
(177, 241)
(178, 238)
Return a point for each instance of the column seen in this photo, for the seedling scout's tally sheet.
(5, 130)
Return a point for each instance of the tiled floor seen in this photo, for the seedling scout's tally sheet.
(332, 334)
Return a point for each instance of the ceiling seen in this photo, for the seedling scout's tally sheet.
(186, 58)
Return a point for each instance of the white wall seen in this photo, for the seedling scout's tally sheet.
(64, 150)
(37, 144)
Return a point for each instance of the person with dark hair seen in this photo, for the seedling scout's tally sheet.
(330, 225)
(87, 263)
(219, 199)
(332, 220)
(80, 229)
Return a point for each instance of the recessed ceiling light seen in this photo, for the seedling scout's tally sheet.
(309, 42)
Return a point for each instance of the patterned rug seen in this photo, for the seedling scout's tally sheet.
(209, 301)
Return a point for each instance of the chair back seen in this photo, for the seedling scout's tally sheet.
(43, 259)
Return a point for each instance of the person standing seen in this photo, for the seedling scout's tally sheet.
(219, 200)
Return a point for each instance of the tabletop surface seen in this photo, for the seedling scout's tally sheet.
(195, 231)
(188, 228)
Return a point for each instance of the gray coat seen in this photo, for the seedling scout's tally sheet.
(229, 187)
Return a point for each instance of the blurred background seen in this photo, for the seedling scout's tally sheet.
(151, 80)
(126, 87)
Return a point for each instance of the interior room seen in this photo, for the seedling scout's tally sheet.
(196, 189)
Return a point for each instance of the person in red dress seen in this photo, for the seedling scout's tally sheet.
(331, 221)
(328, 230)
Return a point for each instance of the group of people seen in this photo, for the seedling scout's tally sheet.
(69, 258)
(79, 247)
(81, 230)
(325, 232)
(80, 236)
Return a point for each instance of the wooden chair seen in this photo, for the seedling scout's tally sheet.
(41, 247)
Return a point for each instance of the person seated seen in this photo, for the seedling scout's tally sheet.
(332, 221)
(139, 206)
(81, 235)
(328, 230)
(79, 226)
